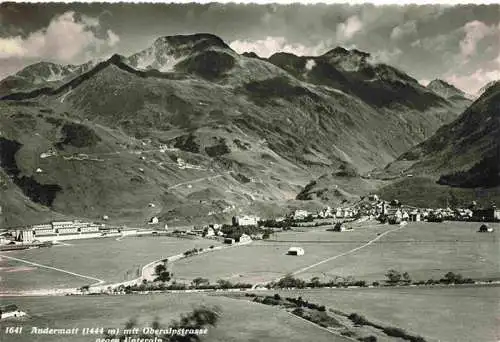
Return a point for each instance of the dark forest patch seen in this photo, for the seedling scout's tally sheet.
(77, 135)
(40, 193)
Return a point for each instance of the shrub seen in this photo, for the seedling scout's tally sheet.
(358, 319)
(270, 301)
(370, 338)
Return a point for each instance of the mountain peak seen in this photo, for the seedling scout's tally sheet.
(167, 51)
(195, 42)
(339, 51)
(444, 89)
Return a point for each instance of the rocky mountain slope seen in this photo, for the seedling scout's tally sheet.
(469, 145)
(446, 90)
(198, 130)
(461, 159)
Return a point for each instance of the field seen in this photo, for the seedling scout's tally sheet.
(106, 259)
(424, 250)
(240, 320)
(465, 314)
(267, 260)
(20, 276)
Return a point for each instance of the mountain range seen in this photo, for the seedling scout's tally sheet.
(189, 130)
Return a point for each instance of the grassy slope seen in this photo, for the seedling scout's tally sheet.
(426, 193)
(294, 131)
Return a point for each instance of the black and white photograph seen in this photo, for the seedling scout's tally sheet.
(253, 171)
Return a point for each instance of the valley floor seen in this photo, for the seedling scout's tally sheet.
(424, 250)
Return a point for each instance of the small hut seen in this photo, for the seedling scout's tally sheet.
(295, 251)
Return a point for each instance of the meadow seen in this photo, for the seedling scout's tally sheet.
(16, 276)
(266, 260)
(107, 259)
(460, 314)
(424, 250)
(240, 320)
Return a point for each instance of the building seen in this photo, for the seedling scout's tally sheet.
(10, 311)
(247, 220)
(24, 235)
(216, 226)
(57, 230)
(486, 215)
(229, 241)
(339, 227)
(339, 213)
(244, 238)
(415, 217)
(300, 214)
(154, 220)
(295, 251)
(405, 216)
(208, 232)
(325, 212)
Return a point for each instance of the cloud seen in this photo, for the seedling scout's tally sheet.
(475, 81)
(113, 38)
(475, 31)
(310, 64)
(347, 30)
(386, 56)
(401, 31)
(67, 38)
(270, 45)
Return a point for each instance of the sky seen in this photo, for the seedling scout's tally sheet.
(457, 43)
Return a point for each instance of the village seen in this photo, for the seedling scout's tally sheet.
(245, 228)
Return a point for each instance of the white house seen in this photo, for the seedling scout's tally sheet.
(295, 251)
(208, 231)
(10, 311)
(339, 213)
(244, 238)
(247, 220)
(325, 212)
(154, 220)
(300, 214)
(339, 227)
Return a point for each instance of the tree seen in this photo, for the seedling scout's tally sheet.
(200, 281)
(224, 284)
(199, 318)
(406, 277)
(164, 276)
(160, 268)
(315, 282)
(393, 277)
